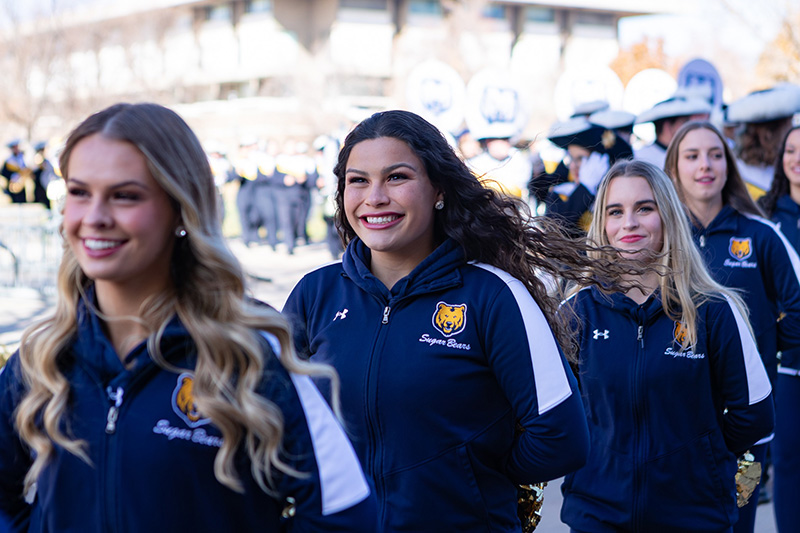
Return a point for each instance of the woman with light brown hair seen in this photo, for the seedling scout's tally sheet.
(743, 250)
(158, 397)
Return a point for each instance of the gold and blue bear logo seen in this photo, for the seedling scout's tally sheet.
(679, 333)
(183, 402)
(741, 249)
(450, 319)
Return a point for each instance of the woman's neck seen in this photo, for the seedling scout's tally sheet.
(645, 286)
(794, 192)
(705, 211)
(120, 309)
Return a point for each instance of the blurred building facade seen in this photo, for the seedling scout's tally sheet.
(235, 68)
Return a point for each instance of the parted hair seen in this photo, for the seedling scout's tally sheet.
(207, 294)
(734, 192)
(780, 182)
(489, 226)
(685, 282)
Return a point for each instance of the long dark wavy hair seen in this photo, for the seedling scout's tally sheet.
(490, 227)
(780, 182)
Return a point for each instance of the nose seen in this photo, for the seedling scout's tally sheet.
(705, 161)
(377, 194)
(98, 215)
(630, 220)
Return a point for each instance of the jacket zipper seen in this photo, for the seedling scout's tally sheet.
(115, 397)
(637, 401)
(371, 407)
(702, 241)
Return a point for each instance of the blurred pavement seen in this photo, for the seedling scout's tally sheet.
(272, 275)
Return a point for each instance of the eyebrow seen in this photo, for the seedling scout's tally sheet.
(385, 170)
(128, 183)
(636, 204)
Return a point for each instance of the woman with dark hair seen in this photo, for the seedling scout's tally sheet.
(454, 387)
(671, 380)
(158, 397)
(743, 250)
(782, 205)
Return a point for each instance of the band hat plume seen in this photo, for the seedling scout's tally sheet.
(781, 101)
(613, 119)
(677, 106)
(587, 108)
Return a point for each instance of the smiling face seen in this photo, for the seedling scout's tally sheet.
(702, 168)
(633, 222)
(389, 201)
(791, 159)
(118, 221)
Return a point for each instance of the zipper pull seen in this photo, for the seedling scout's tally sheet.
(386, 311)
(113, 411)
(640, 336)
(702, 241)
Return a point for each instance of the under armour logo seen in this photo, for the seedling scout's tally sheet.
(341, 314)
(598, 334)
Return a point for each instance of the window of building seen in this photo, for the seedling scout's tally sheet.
(540, 14)
(362, 4)
(425, 7)
(495, 11)
(258, 6)
(591, 18)
(218, 13)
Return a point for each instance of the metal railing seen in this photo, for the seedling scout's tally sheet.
(30, 247)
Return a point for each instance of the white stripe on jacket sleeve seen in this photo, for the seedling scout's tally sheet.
(793, 257)
(552, 385)
(757, 380)
(342, 481)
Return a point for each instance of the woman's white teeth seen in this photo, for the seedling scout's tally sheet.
(95, 244)
(382, 220)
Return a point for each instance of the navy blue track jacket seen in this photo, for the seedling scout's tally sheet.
(666, 424)
(748, 253)
(152, 455)
(438, 374)
(787, 218)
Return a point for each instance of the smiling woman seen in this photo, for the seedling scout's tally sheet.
(676, 330)
(155, 361)
(448, 345)
(742, 250)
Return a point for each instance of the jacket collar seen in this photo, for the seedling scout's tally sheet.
(787, 205)
(437, 271)
(726, 220)
(94, 349)
(644, 313)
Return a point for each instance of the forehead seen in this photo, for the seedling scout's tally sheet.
(623, 189)
(701, 138)
(382, 150)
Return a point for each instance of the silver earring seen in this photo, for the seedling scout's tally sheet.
(180, 231)
(439, 205)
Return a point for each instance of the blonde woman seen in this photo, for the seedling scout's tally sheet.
(154, 399)
(671, 380)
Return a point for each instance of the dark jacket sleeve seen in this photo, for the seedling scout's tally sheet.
(14, 457)
(740, 378)
(782, 266)
(332, 494)
(529, 366)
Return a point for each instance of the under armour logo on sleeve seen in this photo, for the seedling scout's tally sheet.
(340, 314)
(597, 334)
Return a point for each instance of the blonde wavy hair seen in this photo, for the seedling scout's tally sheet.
(685, 283)
(208, 295)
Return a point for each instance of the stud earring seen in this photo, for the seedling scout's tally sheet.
(439, 205)
(180, 231)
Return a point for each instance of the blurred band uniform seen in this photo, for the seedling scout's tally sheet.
(764, 117)
(17, 176)
(568, 192)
